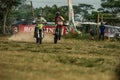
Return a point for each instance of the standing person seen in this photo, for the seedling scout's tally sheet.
(58, 19)
(39, 21)
(101, 31)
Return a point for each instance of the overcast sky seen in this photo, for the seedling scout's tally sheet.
(42, 3)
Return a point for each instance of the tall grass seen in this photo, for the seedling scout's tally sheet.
(73, 58)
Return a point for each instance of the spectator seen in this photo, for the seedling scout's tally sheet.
(101, 31)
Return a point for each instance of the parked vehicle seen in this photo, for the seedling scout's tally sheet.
(117, 34)
(112, 32)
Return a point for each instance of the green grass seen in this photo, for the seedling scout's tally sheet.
(70, 59)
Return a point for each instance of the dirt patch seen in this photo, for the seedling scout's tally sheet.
(25, 37)
(48, 38)
(28, 37)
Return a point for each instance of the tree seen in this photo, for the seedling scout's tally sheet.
(85, 8)
(109, 10)
(113, 6)
(5, 7)
(24, 12)
(49, 12)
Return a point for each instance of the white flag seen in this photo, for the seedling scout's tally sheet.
(72, 24)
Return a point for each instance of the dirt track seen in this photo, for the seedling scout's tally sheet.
(25, 37)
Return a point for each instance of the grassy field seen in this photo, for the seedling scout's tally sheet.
(70, 59)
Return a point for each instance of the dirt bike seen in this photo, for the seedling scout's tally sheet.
(39, 35)
(57, 34)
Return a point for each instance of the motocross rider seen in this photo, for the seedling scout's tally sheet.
(39, 21)
(58, 21)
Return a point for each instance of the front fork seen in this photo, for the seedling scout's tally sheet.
(58, 33)
(40, 36)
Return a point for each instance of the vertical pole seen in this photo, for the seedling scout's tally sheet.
(101, 17)
(33, 14)
(69, 10)
(98, 17)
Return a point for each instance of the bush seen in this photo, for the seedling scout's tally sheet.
(76, 36)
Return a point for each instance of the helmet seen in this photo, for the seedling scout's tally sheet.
(57, 13)
(39, 15)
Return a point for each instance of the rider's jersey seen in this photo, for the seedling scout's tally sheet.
(39, 22)
(59, 20)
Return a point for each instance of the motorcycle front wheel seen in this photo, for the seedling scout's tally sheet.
(55, 38)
